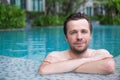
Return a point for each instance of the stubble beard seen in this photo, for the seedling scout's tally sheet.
(78, 52)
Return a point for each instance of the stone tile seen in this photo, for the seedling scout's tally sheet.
(22, 69)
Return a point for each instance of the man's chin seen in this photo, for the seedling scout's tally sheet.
(80, 50)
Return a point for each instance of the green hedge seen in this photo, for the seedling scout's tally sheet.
(107, 19)
(11, 17)
(56, 20)
(49, 20)
(110, 20)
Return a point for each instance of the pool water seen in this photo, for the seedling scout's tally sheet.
(36, 43)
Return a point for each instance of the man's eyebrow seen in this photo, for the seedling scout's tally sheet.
(73, 30)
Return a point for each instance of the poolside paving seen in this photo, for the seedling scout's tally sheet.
(22, 69)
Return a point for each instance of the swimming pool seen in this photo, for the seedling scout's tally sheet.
(36, 43)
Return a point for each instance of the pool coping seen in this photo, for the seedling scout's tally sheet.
(24, 69)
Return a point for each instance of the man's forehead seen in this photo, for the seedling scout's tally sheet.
(81, 23)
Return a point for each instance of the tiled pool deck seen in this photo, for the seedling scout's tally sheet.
(22, 69)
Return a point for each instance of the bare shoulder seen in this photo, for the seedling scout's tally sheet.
(57, 56)
(57, 53)
(54, 53)
(102, 51)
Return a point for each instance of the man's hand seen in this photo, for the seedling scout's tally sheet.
(101, 63)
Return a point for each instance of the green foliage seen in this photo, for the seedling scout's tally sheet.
(65, 6)
(112, 16)
(11, 17)
(49, 20)
(107, 19)
(113, 7)
(33, 14)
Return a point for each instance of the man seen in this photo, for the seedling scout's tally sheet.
(78, 32)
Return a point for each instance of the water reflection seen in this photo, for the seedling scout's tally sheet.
(107, 37)
(36, 43)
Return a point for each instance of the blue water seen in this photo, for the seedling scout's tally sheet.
(36, 43)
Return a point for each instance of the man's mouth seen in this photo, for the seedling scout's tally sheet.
(79, 43)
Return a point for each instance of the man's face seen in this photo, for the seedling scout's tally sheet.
(78, 35)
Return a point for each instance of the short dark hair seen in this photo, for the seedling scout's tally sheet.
(76, 16)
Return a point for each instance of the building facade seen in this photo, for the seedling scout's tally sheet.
(29, 5)
(93, 7)
(90, 7)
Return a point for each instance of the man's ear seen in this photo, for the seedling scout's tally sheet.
(66, 38)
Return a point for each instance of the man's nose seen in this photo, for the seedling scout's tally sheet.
(79, 36)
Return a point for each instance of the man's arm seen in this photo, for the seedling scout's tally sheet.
(103, 66)
(67, 65)
(60, 67)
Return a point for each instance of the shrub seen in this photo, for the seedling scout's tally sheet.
(11, 17)
(107, 19)
(49, 20)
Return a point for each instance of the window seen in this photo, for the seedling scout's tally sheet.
(23, 4)
(89, 11)
(12, 2)
(15, 2)
(37, 5)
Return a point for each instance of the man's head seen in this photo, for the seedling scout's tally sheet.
(76, 16)
(78, 30)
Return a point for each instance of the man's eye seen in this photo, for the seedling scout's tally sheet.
(84, 31)
(73, 32)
